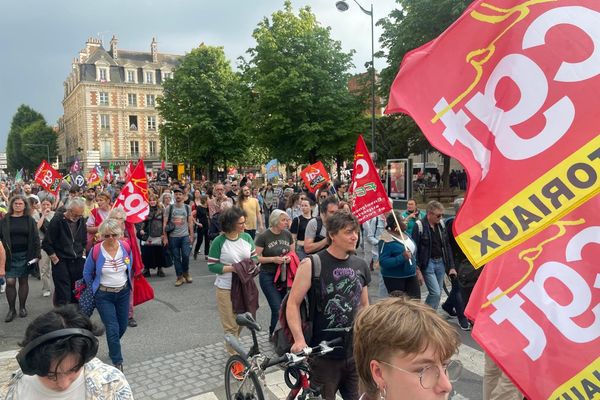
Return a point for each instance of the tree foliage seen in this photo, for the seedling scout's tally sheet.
(198, 107)
(413, 24)
(27, 140)
(297, 101)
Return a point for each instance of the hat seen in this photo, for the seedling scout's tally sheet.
(177, 190)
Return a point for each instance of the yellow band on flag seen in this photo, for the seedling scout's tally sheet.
(584, 385)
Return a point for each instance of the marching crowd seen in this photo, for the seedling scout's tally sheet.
(278, 232)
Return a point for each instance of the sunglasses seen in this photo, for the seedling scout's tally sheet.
(438, 215)
(112, 235)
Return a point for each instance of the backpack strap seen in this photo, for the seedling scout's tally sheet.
(96, 251)
(319, 226)
(314, 295)
(419, 224)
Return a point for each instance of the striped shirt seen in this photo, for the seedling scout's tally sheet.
(224, 251)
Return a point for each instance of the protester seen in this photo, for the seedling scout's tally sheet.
(153, 251)
(90, 201)
(272, 248)
(232, 246)
(397, 259)
(315, 235)
(345, 277)
(97, 215)
(21, 243)
(292, 208)
(298, 228)
(252, 209)
(200, 211)
(58, 361)
(219, 202)
(110, 275)
(180, 238)
(43, 218)
(403, 350)
(411, 215)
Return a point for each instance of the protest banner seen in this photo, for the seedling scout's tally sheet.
(133, 197)
(369, 196)
(511, 91)
(48, 177)
(272, 169)
(314, 176)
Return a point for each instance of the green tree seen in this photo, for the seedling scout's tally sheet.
(297, 101)
(413, 24)
(198, 107)
(28, 127)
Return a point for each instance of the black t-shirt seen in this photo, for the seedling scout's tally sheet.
(342, 282)
(299, 226)
(436, 242)
(273, 246)
(19, 233)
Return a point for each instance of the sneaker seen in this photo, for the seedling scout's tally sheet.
(160, 273)
(187, 277)
(449, 310)
(46, 293)
(119, 367)
(146, 273)
(132, 322)
(465, 325)
(205, 258)
(237, 370)
(195, 256)
(2, 287)
(180, 281)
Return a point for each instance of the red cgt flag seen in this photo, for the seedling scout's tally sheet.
(48, 177)
(370, 197)
(315, 176)
(133, 198)
(512, 91)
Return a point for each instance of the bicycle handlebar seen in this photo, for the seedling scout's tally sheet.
(322, 348)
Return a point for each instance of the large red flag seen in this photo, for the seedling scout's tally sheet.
(314, 176)
(369, 196)
(512, 90)
(48, 177)
(133, 197)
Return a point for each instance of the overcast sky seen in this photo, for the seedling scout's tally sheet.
(40, 38)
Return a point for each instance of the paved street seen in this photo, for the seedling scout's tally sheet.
(176, 352)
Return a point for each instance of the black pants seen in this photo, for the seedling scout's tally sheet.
(64, 274)
(202, 236)
(409, 285)
(331, 375)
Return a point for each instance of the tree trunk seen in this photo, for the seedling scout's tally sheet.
(338, 166)
(446, 174)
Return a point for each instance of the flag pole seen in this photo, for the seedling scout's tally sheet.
(401, 236)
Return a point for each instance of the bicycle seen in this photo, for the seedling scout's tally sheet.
(246, 370)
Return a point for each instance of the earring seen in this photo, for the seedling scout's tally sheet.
(382, 393)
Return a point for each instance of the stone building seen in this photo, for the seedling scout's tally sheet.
(109, 105)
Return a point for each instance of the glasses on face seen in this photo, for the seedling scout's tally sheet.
(429, 376)
(112, 235)
(438, 215)
(241, 223)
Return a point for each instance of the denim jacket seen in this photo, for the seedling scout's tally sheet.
(92, 270)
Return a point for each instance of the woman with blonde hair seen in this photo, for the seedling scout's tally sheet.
(403, 350)
(108, 271)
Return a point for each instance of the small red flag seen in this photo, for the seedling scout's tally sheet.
(370, 197)
(315, 176)
(48, 177)
(134, 195)
(162, 165)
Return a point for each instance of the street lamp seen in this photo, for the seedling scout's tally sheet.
(41, 145)
(343, 6)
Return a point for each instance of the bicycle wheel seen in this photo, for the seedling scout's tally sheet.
(240, 382)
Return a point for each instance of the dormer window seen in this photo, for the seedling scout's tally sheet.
(167, 75)
(131, 75)
(103, 74)
(150, 77)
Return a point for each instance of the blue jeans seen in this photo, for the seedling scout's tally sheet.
(180, 248)
(273, 295)
(114, 312)
(434, 280)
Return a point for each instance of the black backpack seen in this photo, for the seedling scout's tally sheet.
(282, 337)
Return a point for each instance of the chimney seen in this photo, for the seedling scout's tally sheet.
(154, 50)
(113, 47)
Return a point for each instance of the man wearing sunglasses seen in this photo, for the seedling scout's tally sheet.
(434, 254)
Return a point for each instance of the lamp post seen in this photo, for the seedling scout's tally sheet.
(343, 6)
(40, 145)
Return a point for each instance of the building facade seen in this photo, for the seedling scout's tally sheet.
(109, 105)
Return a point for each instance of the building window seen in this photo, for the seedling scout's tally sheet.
(152, 148)
(103, 98)
(151, 123)
(105, 148)
(132, 99)
(133, 123)
(102, 74)
(134, 148)
(131, 73)
(149, 77)
(150, 100)
(167, 75)
(104, 122)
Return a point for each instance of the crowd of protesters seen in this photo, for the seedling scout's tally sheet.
(277, 231)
